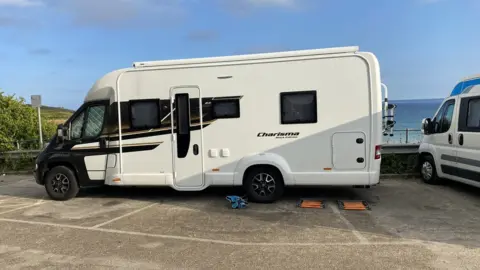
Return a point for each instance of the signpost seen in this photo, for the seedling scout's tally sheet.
(36, 101)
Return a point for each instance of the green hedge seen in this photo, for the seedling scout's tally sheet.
(399, 163)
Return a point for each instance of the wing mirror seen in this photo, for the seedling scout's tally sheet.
(426, 126)
(61, 133)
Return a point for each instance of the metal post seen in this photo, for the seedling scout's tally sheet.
(406, 136)
(36, 101)
(40, 127)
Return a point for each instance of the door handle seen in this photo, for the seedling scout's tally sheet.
(460, 139)
(195, 149)
(450, 138)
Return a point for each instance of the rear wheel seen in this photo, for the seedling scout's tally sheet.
(263, 184)
(428, 171)
(61, 184)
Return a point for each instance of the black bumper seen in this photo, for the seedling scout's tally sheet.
(38, 174)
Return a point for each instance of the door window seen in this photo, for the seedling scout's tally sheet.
(94, 123)
(90, 127)
(447, 118)
(443, 119)
(76, 127)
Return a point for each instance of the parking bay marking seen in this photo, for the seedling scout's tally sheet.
(214, 241)
(123, 216)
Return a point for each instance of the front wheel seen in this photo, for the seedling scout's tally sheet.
(428, 171)
(263, 185)
(61, 184)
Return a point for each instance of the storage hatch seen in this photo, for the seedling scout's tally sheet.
(349, 150)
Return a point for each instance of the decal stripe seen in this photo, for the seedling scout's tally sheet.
(116, 149)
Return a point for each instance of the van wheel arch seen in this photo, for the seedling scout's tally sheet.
(52, 165)
(275, 178)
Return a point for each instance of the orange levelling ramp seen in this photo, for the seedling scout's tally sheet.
(353, 205)
(311, 204)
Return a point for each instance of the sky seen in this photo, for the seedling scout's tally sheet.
(59, 48)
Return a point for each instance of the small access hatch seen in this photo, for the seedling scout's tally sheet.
(349, 150)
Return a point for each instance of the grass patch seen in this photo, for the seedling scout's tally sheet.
(56, 115)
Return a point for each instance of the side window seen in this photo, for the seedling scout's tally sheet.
(76, 126)
(446, 120)
(94, 123)
(145, 114)
(225, 109)
(298, 107)
(473, 113)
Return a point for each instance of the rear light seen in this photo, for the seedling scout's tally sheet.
(378, 151)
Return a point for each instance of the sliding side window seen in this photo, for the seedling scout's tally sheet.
(469, 116)
(473, 114)
(145, 114)
(225, 108)
(298, 107)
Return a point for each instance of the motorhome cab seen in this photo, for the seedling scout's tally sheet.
(261, 121)
(451, 144)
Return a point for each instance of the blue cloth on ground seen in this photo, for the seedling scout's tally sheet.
(237, 202)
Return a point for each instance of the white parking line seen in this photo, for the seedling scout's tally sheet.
(214, 241)
(123, 216)
(23, 207)
(359, 236)
(7, 199)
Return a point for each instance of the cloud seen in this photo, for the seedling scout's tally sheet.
(202, 35)
(246, 6)
(40, 51)
(20, 3)
(120, 13)
(272, 3)
(7, 21)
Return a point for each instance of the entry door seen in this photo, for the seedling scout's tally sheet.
(442, 137)
(467, 140)
(187, 136)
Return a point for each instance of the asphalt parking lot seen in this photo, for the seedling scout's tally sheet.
(410, 226)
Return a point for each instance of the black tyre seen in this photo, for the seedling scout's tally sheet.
(428, 170)
(263, 185)
(61, 184)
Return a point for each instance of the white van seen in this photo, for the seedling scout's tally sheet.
(261, 121)
(451, 144)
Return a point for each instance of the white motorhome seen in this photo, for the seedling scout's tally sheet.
(451, 143)
(261, 121)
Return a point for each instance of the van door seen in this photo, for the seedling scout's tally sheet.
(87, 147)
(442, 138)
(187, 136)
(467, 140)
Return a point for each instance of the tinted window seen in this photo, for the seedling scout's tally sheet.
(226, 108)
(447, 118)
(145, 114)
(473, 114)
(183, 113)
(299, 107)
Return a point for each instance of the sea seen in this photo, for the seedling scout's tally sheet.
(408, 116)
